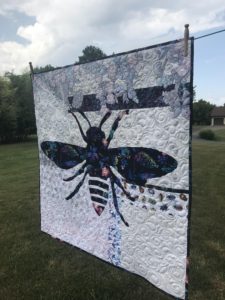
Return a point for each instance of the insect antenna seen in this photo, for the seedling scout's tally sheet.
(106, 116)
(84, 116)
(81, 130)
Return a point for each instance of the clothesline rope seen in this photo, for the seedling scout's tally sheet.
(205, 35)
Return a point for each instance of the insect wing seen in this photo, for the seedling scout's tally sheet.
(65, 156)
(137, 164)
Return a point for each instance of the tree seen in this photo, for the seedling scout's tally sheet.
(24, 105)
(91, 53)
(44, 69)
(201, 112)
(7, 111)
(17, 117)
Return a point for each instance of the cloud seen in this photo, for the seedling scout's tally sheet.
(63, 28)
(221, 101)
(218, 101)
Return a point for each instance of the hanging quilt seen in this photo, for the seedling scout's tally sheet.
(114, 148)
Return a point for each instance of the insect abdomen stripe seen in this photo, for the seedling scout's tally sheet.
(98, 187)
(99, 192)
(99, 183)
(98, 200)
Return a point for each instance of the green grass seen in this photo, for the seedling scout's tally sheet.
(220, 134)
(35, 266)
(197, 128)
(208, 220)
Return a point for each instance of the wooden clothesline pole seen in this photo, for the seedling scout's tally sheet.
(186, 38)
(31, 69)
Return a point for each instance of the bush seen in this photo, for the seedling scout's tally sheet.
(207, 135)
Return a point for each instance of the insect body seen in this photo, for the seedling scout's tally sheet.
(135, 164)
(99, 188)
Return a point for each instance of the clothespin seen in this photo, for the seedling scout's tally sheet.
(31, 69)
(186, 38)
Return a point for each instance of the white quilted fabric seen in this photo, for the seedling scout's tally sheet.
(155, 243)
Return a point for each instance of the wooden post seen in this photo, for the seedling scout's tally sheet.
(31, 69)
(186, 38)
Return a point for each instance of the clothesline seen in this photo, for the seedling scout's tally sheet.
(205, 35)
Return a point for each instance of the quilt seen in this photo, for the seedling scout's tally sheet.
(114, 148)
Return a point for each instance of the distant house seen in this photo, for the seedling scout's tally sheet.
(218, 116)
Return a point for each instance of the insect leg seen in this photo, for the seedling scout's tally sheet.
(77, 187)
(115, 125)
(78, 172)
(116, 203)
(118, 182)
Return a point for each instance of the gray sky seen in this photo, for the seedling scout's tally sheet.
(55, 32)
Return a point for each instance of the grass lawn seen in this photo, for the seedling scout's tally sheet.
(220, 133)
(35, 266)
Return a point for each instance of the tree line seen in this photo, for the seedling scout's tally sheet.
(201, 112)
(17, 117)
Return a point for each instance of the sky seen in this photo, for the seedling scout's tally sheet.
(55, 32)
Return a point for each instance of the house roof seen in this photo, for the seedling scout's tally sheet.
(218, 111)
